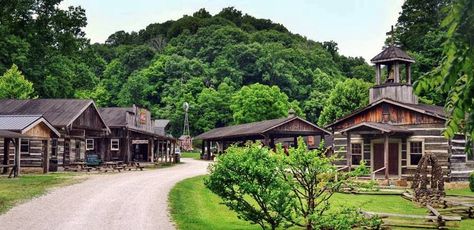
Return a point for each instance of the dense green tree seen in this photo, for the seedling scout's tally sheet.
(214, 106)
(346, 97)
(455, 76)
(13, 85)
(259, 102)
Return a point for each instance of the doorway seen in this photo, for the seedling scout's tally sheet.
(393, 158)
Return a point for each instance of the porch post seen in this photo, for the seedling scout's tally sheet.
(349, 150)
(45, 145)
(208, 150)
(17, 157)
(295, 141)
(385, 155)
(174, 152)
(377, 74)
(6, 153)
(272, 142)
(203, 149)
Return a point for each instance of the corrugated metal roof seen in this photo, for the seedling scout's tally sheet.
(250, 129)
(17, 123)
(392, 53)
(59, 112)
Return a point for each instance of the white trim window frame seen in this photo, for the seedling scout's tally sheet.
(114, 144)
(24, 143)
(88, 143)
(409, 150)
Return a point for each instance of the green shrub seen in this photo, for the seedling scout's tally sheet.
(471, 182)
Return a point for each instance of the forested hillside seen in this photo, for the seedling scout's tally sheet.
(230, 67)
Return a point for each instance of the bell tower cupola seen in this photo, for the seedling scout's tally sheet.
(396, 82)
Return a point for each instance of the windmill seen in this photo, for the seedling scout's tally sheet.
(185, 141)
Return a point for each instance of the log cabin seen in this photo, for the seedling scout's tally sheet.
(393, 132)
(133, 136)
(77, 121)
(16, 128)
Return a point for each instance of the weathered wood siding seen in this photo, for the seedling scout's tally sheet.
(89, 119)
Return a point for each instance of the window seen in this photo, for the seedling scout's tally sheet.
(114, 144)
(416, 152)
(89, 144)
(356, 153)
(25, 146)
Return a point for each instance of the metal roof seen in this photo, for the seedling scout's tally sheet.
(253, 129)
(392, 53)
(60, 112)
(22, 123)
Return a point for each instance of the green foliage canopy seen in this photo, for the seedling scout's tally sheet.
(13, 85)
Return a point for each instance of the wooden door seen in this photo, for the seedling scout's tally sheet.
(393, 163)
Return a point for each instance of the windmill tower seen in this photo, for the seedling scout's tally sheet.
(185, 141)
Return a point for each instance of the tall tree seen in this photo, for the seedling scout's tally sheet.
(346, 97)
(259, 102)
(13, 85)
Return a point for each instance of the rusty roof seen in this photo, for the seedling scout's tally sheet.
(392, 53)
(253, 129)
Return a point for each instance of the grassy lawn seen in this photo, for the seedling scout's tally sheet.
(27, 186)
(194, 155)
(195, 207)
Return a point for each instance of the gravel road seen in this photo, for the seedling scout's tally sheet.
(127, 200)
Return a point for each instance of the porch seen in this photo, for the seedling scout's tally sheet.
(382, 146)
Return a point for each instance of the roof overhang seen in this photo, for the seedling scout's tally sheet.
(379, 128)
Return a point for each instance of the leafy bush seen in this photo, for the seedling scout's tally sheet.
(272, 188)
(471, 181)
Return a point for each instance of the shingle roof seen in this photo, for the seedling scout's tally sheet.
(60, 112)
(392, 53)
(250, 129)
(161, 123)
(115, 116)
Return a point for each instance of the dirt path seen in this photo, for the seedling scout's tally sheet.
(127, 200)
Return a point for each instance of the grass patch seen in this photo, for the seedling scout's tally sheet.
(461, 192)
(25, 187)
(194, 155)
(193, 206)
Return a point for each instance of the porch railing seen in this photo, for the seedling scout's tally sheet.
(376, 171)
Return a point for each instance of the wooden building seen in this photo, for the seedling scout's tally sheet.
(395, 130)
(77, 121)
(133, 136)
(14, 130)
(285, 130)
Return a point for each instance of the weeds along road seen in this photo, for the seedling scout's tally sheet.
(127, 200)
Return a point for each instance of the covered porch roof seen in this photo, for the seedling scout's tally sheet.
(376, 128)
